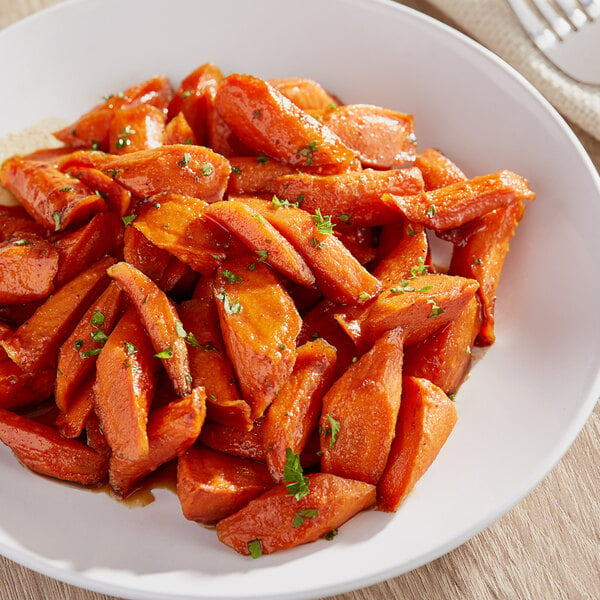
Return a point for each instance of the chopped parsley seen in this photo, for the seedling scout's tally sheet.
(186, 94)
(302, 515)
(323, 223)
(436, 310)
(206, 169)
(123, 137)
(130, 348)
(168, 353)
(331, 534)
(97, 318)
(57, 220)
(410, 231)
(236, 170)
(78, 344)
(333, 430)
(92, 352)
(181, 332)
(65, 189)
(185, 159)
(231, 277)
(297, 482)
(279, 203)
(419, 269)
(99, 336)
(431, 211)
(262, 255)
(21, 243)
(257, 114)
(255, 548)
(128, 219)
(308, 151)
(231, 308)
(191, 340)
(262, 159)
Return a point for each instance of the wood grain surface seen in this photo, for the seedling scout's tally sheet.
(546, 548)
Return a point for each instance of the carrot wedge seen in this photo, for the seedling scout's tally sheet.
(28, 265)
(137, 128)
(437, 170)
(250, 176)
(35, 344)
(358, 197)
(245, 444)
(306, 94)
(161, 321)
(76, 358)
(212, 485)
(276, 520)
(178, 131)
(427, 417)
(45, 451)
(338, 274)
(260, 325)
(260, 236)
(19, 388)
(179, 225)
(15, 221)
(295, 412)
(358, 418)
(172, 429)
(71, 422)
(458, 203)
(142, 254)
(269, 123)
(126, 373)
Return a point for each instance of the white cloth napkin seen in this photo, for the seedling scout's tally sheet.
(494, 25)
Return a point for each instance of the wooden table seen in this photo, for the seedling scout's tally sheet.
(547, 547)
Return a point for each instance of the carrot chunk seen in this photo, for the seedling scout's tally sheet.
(252, 176)
(245, 444)
(305, 93)
(437, 170)
(178, 131)
(137, 128)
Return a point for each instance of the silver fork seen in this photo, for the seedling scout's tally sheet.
(567, 32)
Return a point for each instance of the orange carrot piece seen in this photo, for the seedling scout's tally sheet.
(178, 278)
(142, 254)
(77, 356)
(260, 325)
(276, 520)
(137, 128)
(126, 373)
(463, 201)
(358, 197)
(95, 436)
(294, 413)
(52, 198)
(245, 444)
(179, 225)
(19, 388)
(45, 451)
(359, 413)
(212, 485)
(160, 320)
(83, 247)
(15, 221)
(72, 421)
(480, 255)
(381, 138)
(209, 364)
(427, 417)
(34, 345)
(437, 170)
(260, 236)
(251, 176)
(306, 94)
(271, 124)
(178, 131)
(338, 274)
(444, 357)
(172, 429)
(28, 265)
(360, 241)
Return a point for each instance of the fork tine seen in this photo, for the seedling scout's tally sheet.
(575, 15)
(559, 24)
(539, 32)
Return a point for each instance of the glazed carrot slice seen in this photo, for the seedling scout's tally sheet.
(180, 225)
(178, 131)
(45, 451)
(271, 124)
(34, 345)
(92, 129)
(14, 221)
(437, 170)
(249, 175)
(19, 388)
(294, 413)
(358, 420)
(28, 265)
(444, 357)
(178, 279)
(305, 93)
(260, 236)
(360, 241)
(338, 274)
(136, 128)
(358, 197)
(142, 254)
(80, 248)
(179, 168)
(245, 444)
(463, 201)
(260, 325)
(160, 320)
(117, 198)
(212, 485)
(480, 255)
(427, 417)
(276, 520)
(380, 137)
(209, 364)
(172, 429)
(52, 198)
(95, 436)
(71, 422)
(77, 356)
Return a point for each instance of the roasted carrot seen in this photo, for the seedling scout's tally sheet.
(34, 345)
(142, 254)
(45, 451)
(276, 520)
(19, 388)
(249, 175)
(437, 170)
(161, 321)
(294, 413)
(245, 444)
(427, 417)
(172, 429)
(260, 325)
(178, 131)
(71, 422)
(360, 241)
(137, 128)
(305, 93)
(15, 221)
(28, 265)
(126, 373)
(212, 485)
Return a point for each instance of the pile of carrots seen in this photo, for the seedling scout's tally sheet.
(237, 276)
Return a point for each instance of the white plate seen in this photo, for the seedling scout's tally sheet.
(523, 405)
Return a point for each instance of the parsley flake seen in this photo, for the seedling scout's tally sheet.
(323, 223)
(279, 203)
(302, 515)
(191, 340)
(123, 137)
(257, 114)
(255, 548)
(21, 243)
(231, 308)
(419, 269)
(431, 211)
(92, 352)
(333, 430)
(297, 483)
(331, 534)
(262, 255)
(436, 310)
(78, 344)
(168, 353)
(236, 170)
(231, 277)
(99, 336)
(410, 231)
(262, 159)
(185, 159)
(128, 219)
(57, 220)
(65, 189)
(181, 332)
(186, 94)
(97, 318)
(206, 169)
(308, 151)
(130, 348)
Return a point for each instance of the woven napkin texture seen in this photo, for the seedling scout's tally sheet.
(494, 25)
